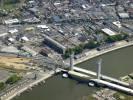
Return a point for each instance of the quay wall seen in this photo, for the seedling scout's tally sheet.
(94, 53)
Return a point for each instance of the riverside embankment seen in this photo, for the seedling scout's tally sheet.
(20, 88)
(115, 64)
(94, 53)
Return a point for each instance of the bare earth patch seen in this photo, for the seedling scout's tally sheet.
(14, 63)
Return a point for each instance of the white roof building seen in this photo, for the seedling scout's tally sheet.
(11, 21)
(118, 24)
(123, 15)
(9, 49)
(27, 49)
(3, 34)
(24, 38)
(42, 26)
(13, 31)
(108, 32)
(11, 39)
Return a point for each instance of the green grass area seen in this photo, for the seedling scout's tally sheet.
(91, 97)
(8, 6)
(11, 6)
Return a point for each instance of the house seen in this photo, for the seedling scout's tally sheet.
(108, 32)
(30, 51)
(31, 20)
(24, 39)
(11, 21)
(123, 15)
(42, 26)
(11, 40)
(13, 31)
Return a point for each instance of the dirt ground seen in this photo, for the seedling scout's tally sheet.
(14, 63)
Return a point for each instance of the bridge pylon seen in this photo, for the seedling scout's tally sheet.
(71, 61)
(99, 69)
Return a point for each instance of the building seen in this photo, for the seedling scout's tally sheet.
(31, 20)
(3, 34)
(24, 39)
(13, 31)
(11, 21)
(30, 51)
(9, 49)
(123, 15)
(54, 44)
(108, 32)
(46, 52)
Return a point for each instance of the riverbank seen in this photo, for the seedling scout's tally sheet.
(94, 53)
(16, 91)
(111, 94)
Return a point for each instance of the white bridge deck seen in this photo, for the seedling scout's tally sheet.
(112, 85)
(102, 76)
(106, 83)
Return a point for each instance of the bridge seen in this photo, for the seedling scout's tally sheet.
(88, 72)
(84, 74)
(88, 78)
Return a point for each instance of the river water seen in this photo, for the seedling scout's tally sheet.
(115, 64)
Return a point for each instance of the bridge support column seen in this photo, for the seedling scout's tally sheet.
(71, 61)
(99, 69)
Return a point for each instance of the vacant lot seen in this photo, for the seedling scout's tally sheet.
(14, 63)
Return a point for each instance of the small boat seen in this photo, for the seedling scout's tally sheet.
(91, 84)
(65, 75)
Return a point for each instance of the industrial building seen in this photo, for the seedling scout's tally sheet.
(54, 44)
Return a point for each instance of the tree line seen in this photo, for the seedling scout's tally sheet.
(9, 1)
(94, 44)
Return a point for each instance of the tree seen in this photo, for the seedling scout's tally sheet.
(2, 85)
(11, 1)
(92, 44)
(67, 53)
(78, 49)
(115, 38)
(13, 79)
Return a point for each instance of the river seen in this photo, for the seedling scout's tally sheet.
(115, 64)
